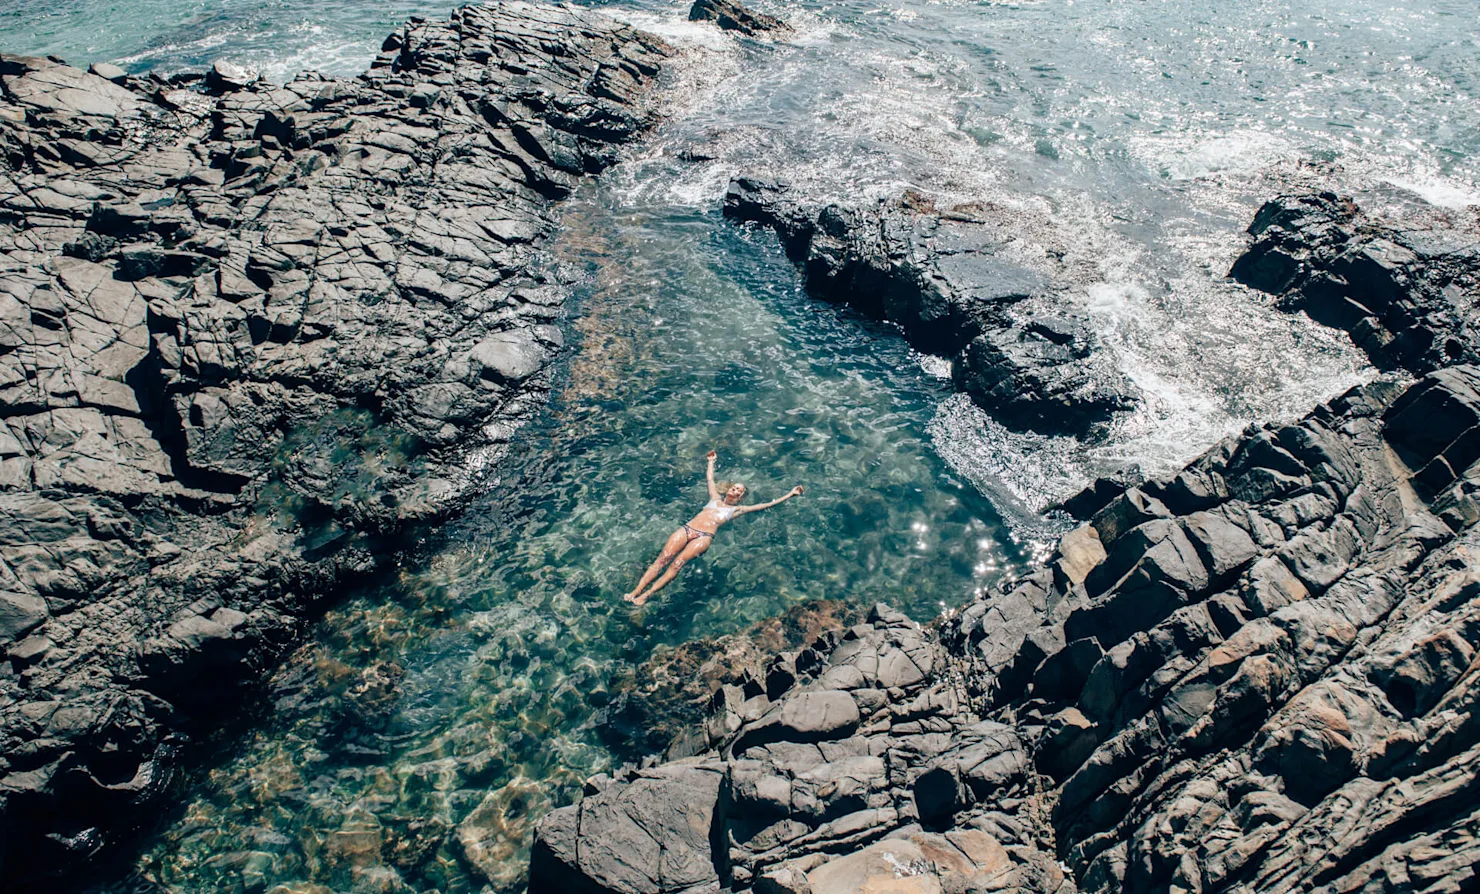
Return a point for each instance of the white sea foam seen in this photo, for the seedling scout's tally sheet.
(1189, 156)
(1438, 190)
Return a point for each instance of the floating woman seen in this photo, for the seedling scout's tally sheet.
(692, 539)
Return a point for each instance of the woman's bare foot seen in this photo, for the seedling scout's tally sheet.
(638, 600)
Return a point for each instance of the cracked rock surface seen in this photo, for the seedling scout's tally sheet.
(1255, 675)
(249, 334)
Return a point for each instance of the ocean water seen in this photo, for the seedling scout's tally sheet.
(1139, 136)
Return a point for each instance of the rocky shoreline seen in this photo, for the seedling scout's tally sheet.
(254, 337)
(1256, 674)
(960, 282)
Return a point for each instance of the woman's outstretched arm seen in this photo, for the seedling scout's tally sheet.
(710, 457)
(794, 492)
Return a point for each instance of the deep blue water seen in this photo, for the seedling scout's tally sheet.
(1140, 135)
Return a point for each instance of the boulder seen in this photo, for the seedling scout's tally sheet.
(108, 71)
(731, 16)
(651, 835)
(228, 77)
(509, 357)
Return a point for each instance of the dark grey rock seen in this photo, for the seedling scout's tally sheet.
(20, 613)
(731, 16)
(650, 835)
(228, 77)
(810, 716)
(229, 288)
(1404, 288)
(1020, 348)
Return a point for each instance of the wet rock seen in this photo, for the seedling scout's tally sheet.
(955, 281)
(486, 839)
(1403, 284)
(686, 699)
(251, 335)
(731, 16)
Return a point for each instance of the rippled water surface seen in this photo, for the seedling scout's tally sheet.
(472, 682)
(436, 716)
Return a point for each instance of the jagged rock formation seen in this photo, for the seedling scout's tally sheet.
(731, 16)
(250, 333)
(1405, 286)
(957, 285)
(1255, 675)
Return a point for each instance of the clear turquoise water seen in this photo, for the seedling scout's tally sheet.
(691, 335)
(1139, 137)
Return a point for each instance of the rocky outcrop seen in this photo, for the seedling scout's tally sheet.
(1254, 675)
(1404, 285)
(251, 333)
(954, 282)
(731, 16)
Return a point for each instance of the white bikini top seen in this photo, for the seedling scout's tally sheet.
(726, 511)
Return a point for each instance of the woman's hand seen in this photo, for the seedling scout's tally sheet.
(796, 491)
(711, 456)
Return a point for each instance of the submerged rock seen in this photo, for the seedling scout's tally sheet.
(661, 706)
(250, 336)
(1253, 675)
(1019, 347)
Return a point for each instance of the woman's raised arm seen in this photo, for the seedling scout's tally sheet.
(709, 458)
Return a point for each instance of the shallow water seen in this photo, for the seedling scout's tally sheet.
(1140, 137)
(510, 630)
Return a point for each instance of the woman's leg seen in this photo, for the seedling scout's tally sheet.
(696, 546)
(673, 547)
